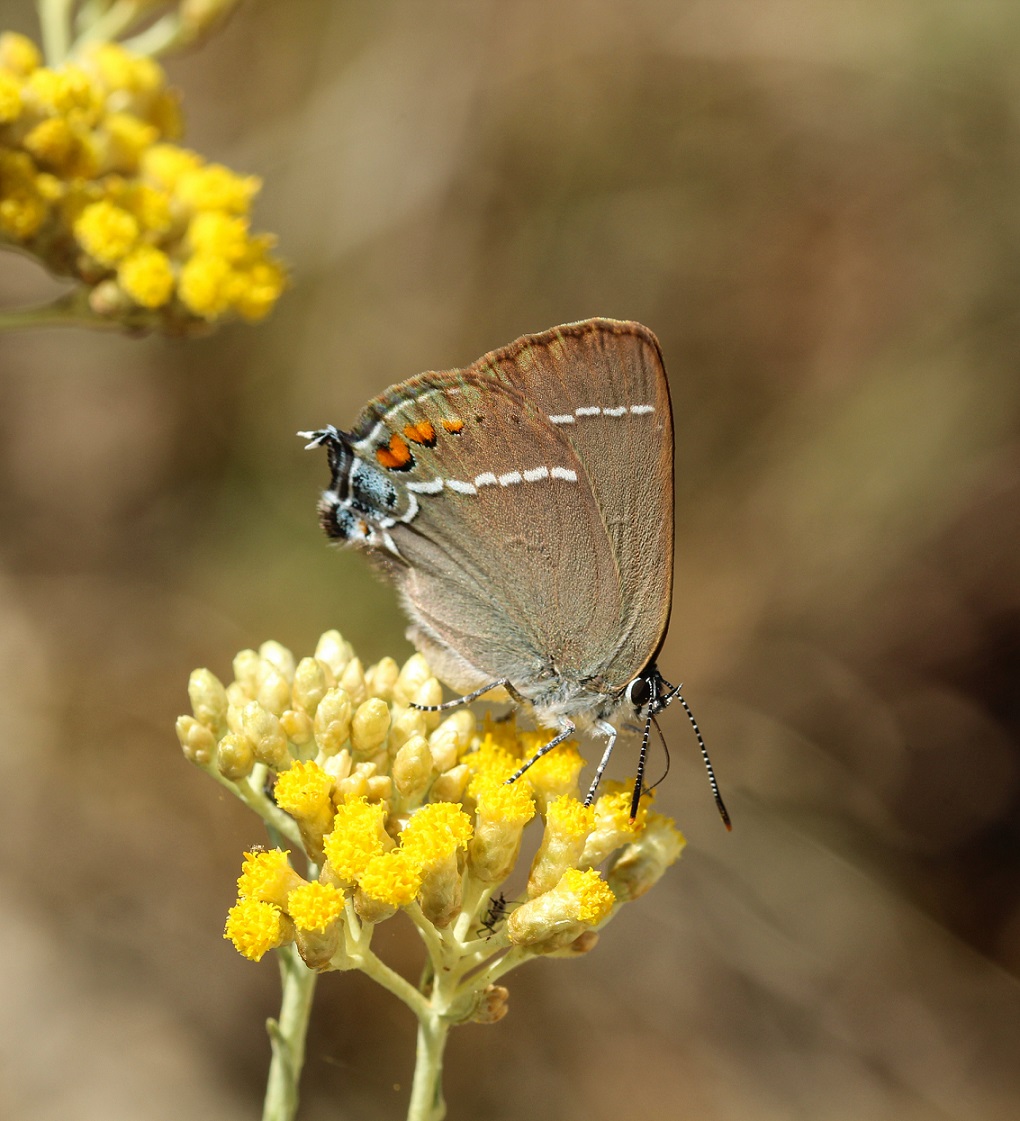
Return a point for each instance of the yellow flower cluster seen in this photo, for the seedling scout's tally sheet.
(396, 809)
(94, 185)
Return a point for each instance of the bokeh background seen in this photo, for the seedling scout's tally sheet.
(815, 206)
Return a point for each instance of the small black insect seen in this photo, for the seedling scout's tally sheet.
(495, 913)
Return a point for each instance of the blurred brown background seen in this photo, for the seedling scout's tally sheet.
(817, 208)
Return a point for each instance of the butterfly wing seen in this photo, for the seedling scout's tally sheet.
(603, 384)
(524, 508)
(495, 539)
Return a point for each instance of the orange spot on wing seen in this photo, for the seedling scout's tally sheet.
(422, 433)
(453, 426)
(396, 455)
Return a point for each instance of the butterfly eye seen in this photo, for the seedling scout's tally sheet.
(638, 692)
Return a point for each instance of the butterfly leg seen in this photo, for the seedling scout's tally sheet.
(610, 733)
(503, 683)
(567, 728)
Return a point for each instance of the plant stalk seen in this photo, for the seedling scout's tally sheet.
(287, 1036)
(427, 1102)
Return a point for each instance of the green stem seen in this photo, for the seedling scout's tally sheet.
(55, 23)
(427, 1088)
(287, 1036)
(111, 25)
(256, 801)
(70, 310)
(430, 936)
(381, 973)
(162, 36)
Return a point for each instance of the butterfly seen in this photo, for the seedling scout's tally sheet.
(523, 508)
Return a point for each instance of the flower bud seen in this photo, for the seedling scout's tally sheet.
(451, 784)
(641, 864)
(413, 674)
(412, 768)
(369, 726)
(246, 671)
(235, 757)
(196, 740)
(554, 919)
(274, 691)
(339, 765)
(353, 680)
(408, 723)
(493, 1005)
(332, 724)
(612, 829)
(310, 684)
(208, 699)
(297, 726)
(430, 694)
(263, 731)
(380, 679)
(451, 738)
(379, 788)
(334, 652)
(279, 657)
(445, 747)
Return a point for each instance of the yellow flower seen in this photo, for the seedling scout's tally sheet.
(51, 142)
(392, 878)
(87, 162)
(255, 928)
(119, 69)
(215, 187)
(219, 234)
(358, 835)
(204, 285)
(304, 790)
(127, 137)
(556, 772)
(166, 164)
(491, 765)
(106, 232)
(256, 288)
(501, 815)
(612, 828)
(10, 98)
(267, 876)
(558, 916)
(68, 91)
(314, 906)
(18, 54)
(404, 844)
(147, 276)
(22, 212)
(436, 831)
(567, 825)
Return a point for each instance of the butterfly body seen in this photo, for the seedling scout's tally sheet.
(523, 507)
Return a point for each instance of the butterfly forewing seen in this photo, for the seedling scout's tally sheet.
(499, 550)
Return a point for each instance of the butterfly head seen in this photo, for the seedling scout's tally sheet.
(361, 503)
(649, 693)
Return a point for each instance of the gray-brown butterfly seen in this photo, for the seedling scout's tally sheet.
(523, 507)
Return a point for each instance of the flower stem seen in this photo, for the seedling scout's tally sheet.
(70, 310)
(287, 1036)
(427, 1089)
(55, 22)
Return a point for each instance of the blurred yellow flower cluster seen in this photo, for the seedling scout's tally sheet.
(93, 184)
(395, 809)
